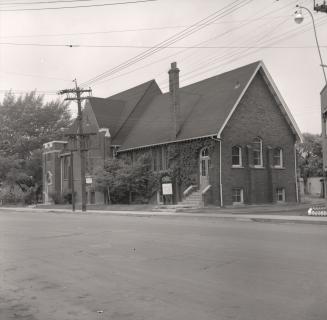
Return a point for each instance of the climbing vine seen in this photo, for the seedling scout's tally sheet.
(182, 162)
(184, 159)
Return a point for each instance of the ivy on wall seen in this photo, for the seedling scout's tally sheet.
(183, 159)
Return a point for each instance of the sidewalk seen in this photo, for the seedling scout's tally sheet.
(296, 213)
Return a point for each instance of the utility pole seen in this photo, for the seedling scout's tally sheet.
(75, 95)
(72, 178)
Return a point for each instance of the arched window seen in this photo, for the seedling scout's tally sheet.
(49, 178)
(236, 156)
(257, 152)
(205, 162)
(278, 157)
(205, 152)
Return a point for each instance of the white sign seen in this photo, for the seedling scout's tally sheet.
(167, 188)
(88, 180)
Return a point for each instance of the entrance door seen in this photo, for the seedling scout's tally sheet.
(204, 168)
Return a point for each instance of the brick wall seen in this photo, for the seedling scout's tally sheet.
(258, 115)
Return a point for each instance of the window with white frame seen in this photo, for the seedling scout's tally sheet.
(280, 194)
(257, 152)
(66, 169)
(278, 157)
(236, 156)
(237, 195)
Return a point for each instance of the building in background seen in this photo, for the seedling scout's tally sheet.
(232, 136)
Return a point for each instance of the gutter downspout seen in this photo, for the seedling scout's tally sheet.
(220, 183)
(295, 168)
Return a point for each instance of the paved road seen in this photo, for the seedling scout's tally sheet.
(58, 266)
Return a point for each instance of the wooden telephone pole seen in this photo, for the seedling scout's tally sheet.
(76, 95)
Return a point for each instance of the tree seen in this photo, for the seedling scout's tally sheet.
(121, 179)
(26, 123)
(310, 157)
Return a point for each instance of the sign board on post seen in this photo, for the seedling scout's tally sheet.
(167, 189)
(88, 180)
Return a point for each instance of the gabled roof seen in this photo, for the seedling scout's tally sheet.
(278, 98)
(203, 105)
(114, 111)
(205, 109)
(107, 112)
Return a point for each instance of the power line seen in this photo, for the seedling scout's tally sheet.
(161, 47)
(227, 57)
(40, 2)
(176, 37)
(76, 7)
(200, 43)
(128, 30)
(33, 75)
(232, 57)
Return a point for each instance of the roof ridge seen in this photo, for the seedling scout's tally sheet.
(139, 85)
(136, 104)
(258, 62)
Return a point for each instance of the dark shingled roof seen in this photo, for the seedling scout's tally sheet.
(141, 116)
(108, 112)
(204, 107)
(114, 112)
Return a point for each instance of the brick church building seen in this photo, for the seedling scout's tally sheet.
(233, 134)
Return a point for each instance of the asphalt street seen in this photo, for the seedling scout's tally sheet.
(60, 266)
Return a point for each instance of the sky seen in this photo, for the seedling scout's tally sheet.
(45, 50)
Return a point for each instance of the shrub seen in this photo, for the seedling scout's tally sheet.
(12, 195)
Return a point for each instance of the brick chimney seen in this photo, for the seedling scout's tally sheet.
(174, 94)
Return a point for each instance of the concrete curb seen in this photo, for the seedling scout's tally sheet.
(317, 220)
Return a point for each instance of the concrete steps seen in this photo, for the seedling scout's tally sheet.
(193, 200)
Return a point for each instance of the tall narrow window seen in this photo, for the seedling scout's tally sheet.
(204, 162)
(257, 152)
(237, 195)
(160, 158)
(155, 160)
(203, 168)
(278, 157)
(66, 161)
(280, 194)
(165, 158)
(236, 156)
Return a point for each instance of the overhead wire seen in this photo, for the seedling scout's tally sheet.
(219, 35)
(250, 39)
(77, 7)
(33, 75)
(124, 30)
(232, 57)
(266, 40)
(176, 37)
(161, 47)
(41, 2)
(193, 28)
(263, 35)
(228, 55)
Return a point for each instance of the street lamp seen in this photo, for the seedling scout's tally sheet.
(298, 18)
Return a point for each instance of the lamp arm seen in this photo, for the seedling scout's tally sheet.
(316, 37)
